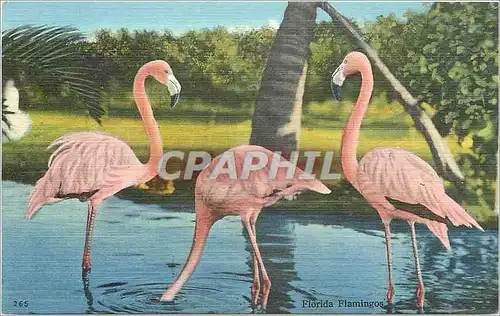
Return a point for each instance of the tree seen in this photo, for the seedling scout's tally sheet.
(49, 57)
(448, 59)
(444, 162)
(327, 49)
(276, 120)
(456, 71)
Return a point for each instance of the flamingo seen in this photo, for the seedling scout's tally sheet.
(15, 123)
(216, 197)
(396, 182)
(92, 166)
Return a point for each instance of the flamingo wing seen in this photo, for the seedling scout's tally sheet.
(409, 183)
(262, 184)
(83, 164)
(259, 188)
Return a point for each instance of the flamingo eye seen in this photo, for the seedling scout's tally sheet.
(345, 61)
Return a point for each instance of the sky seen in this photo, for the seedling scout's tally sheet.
(178, 16)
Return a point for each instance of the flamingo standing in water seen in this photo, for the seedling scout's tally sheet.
(222, 195)
(92, 166)
(397, 183)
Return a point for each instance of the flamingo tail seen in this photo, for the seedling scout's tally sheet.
(318, 186)
(457, 215)
(43, 193)
(440, 230)
(201, 230)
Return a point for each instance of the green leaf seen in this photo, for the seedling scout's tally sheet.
(449, 117)
(423, 64)
(51, 56)
(488, 43)
(452, 73)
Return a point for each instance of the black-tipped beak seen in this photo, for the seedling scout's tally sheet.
(336, 92)
(174, 88)
(174, 99)
(336, 83)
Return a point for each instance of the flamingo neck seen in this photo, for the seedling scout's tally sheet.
(350, 137)
(150, 125)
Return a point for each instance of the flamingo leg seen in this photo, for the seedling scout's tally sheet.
(88, 237)
(390, 284)
(256, 278)
(86, 289)
(420, 292)
(266, 287)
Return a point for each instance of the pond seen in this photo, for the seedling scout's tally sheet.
(138, 250)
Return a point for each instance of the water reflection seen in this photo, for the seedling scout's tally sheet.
(450, 277)
(87, 290)
(276, 240)
(310, 257)
(460, 281)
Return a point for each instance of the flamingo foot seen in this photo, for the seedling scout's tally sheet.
(86, 286)
(266, 288)
(255, 292)
(168, 296)
(389, 309)
(390, 293)
(420, 292)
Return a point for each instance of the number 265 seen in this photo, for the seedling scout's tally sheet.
(21, 303)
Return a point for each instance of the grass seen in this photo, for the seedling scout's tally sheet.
(26, 160)
(216, 136)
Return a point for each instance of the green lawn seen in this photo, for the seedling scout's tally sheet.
(204, 133)
(26, 160)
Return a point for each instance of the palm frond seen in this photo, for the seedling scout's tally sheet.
(49, 56)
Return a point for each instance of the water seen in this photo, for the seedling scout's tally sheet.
(138, 250)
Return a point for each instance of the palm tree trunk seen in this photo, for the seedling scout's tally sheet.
(445, 163)
(276, 120)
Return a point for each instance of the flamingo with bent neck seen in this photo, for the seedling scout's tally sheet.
(396, 182)
(222, 195)
(92, 166)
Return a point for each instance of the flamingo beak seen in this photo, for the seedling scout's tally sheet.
(174, 88)
(338, 78)
(174, 100)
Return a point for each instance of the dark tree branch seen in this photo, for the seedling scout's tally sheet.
(445, 163)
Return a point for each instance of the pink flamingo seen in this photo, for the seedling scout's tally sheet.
(92, 166)
(216, 197)
(397, 183)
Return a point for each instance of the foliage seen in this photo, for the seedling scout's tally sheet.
(50, 58)
(213, 65)
(446, 56)
(395, 40)
(328, 49)
(449, 59)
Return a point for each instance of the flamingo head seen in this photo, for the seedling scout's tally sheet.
(351, 65)
(162, 72)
